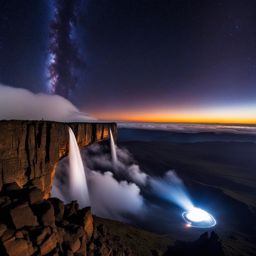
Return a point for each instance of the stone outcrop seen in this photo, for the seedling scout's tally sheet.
(205, 245)
(30, 150)
(48, 227)
(42, 227)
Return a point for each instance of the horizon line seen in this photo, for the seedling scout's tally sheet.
(180, 122)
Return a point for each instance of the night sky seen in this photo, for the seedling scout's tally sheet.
(154, 60)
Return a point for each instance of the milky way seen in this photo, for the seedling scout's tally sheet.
(64, 59)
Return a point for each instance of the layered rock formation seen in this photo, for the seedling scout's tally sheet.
(33, 226)
(30, 150)
(30, 225)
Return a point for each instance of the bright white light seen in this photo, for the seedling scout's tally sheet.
(197, 214)
(197, 217)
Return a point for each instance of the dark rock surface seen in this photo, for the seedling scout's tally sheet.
(59, 208)
(30, 150)
(23, 216)
(116, 238)
(40, 227)
(48, 227)
(205, 245)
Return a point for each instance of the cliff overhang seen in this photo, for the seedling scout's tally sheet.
(30, 150)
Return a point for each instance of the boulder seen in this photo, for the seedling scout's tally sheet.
(22, 216)
(75, 246)
(8, 234)
(61, 233)
(48, 245)
(205, 245)
(85, 216)
(83, 245)
(72, 234)
(45, 213)
(3, 228)
(11, 188)
(35, 195)
(58, 206)
(40, 234)
(38, 183)
(18, 247)
(71, 209)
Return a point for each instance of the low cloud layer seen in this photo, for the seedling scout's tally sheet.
(21, 104)
(191, 128)
(112, 198)
(125, 166)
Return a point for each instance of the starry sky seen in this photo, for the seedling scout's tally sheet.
(146, 60)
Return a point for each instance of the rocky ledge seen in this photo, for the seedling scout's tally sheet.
(30, 225)
(30, 150)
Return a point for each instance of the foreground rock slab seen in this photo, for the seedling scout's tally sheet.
(31, 225)
(23, 216)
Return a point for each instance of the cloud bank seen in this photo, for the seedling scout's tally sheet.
(100, 159)
(112, 198)
(191, 128)
(109, 197)
(21, 104)
(121, 191)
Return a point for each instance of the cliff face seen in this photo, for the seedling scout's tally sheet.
(30, 150)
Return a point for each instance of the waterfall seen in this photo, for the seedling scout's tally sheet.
(77, 179)
(113, 149)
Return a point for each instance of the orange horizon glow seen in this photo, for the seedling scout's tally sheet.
(181, 120)
(216, 116)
